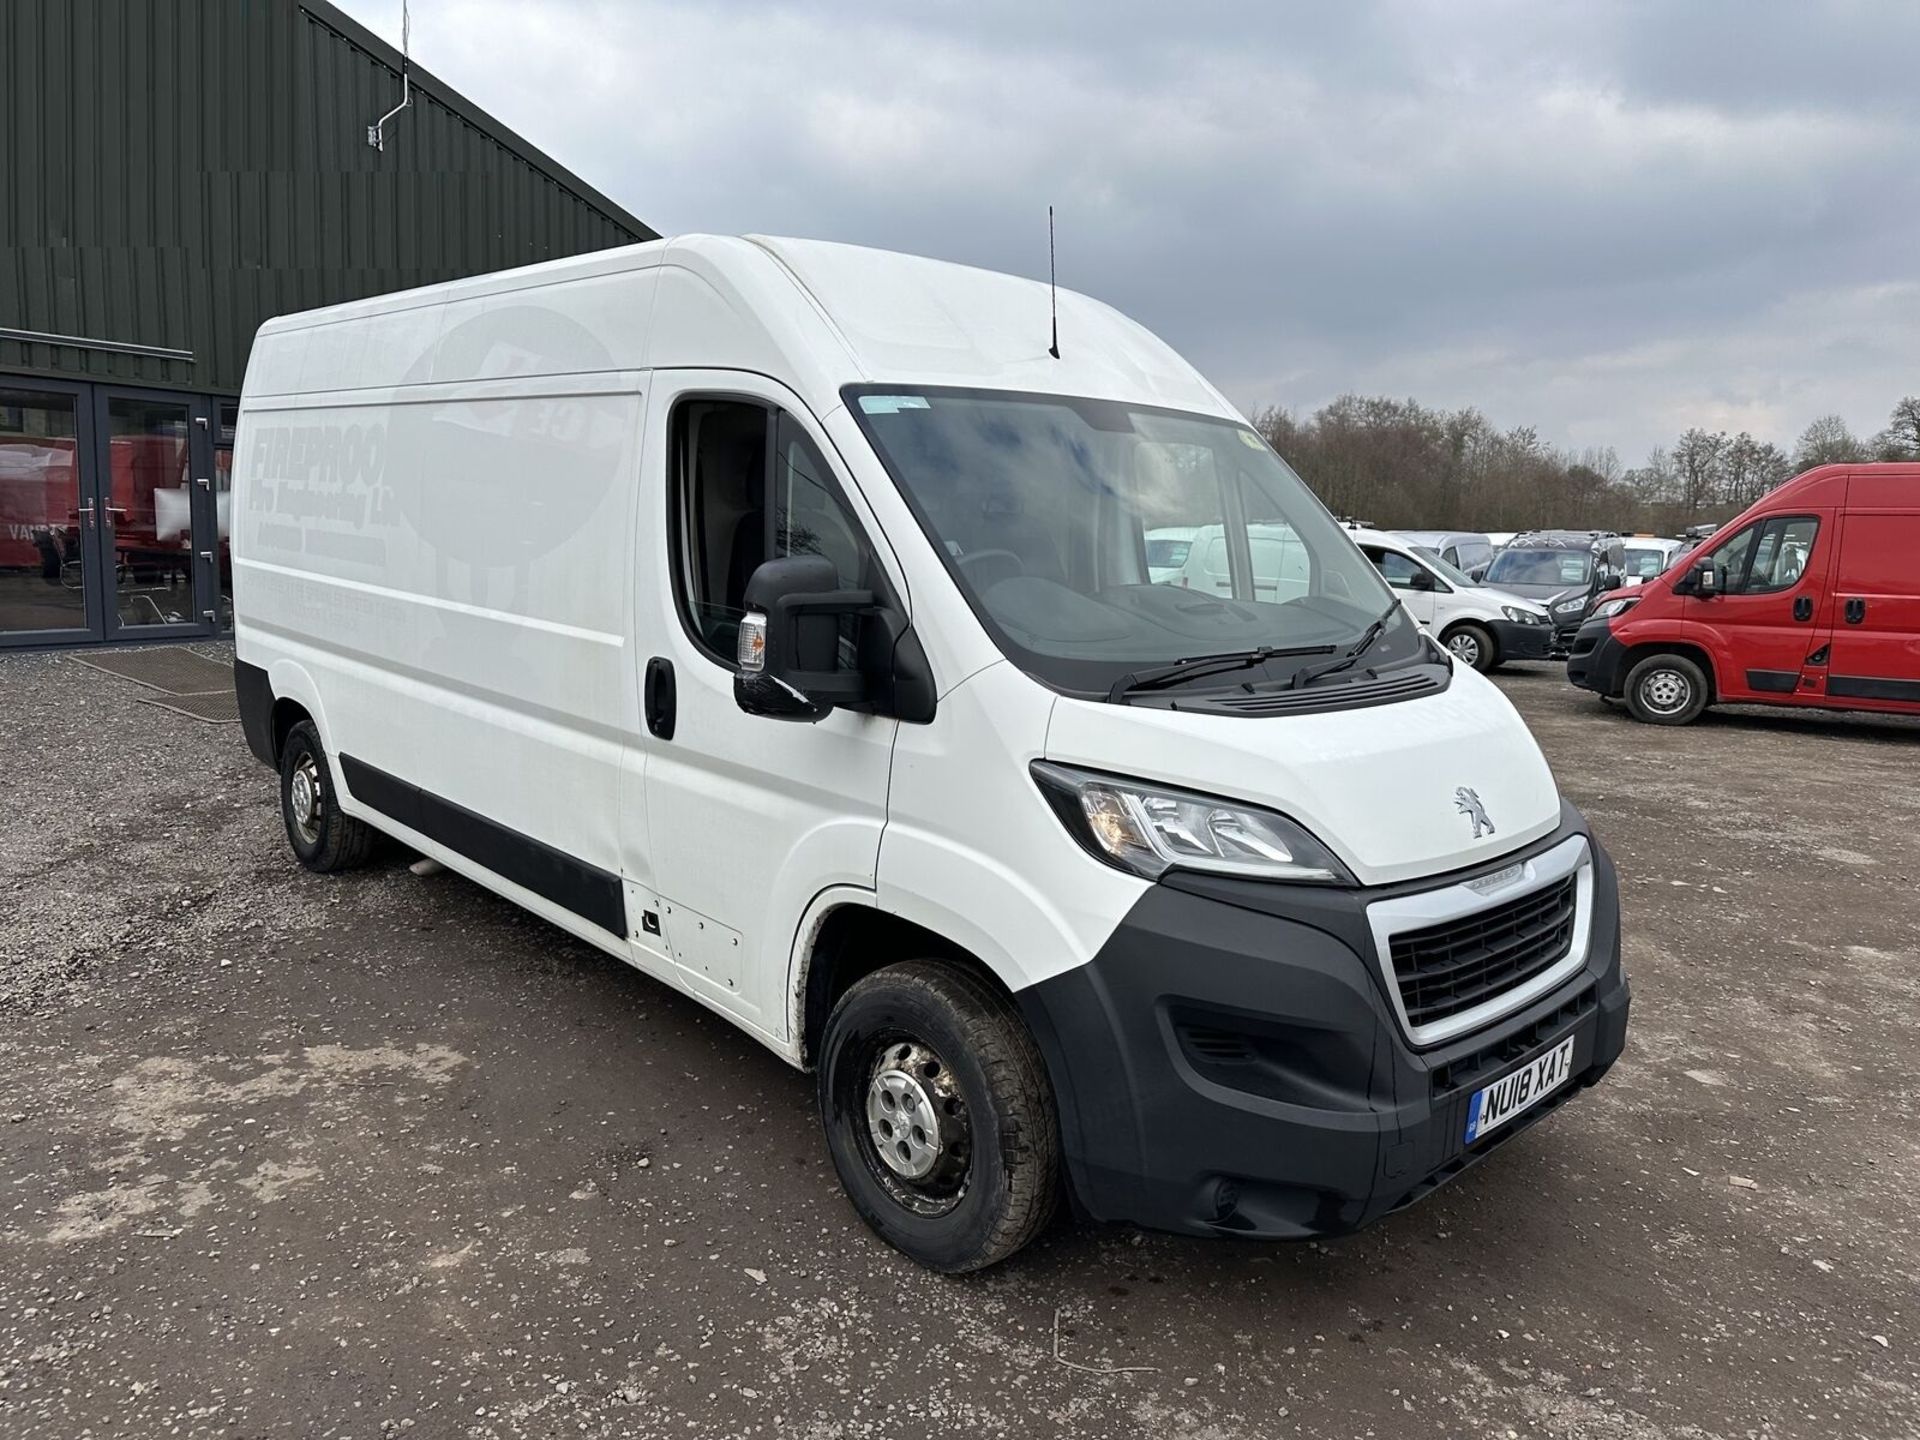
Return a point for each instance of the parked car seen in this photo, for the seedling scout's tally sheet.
(773, 625)
(1810, 598)
(1462, 549)
(1483, 628)
(1567, 571)
(1645, 556)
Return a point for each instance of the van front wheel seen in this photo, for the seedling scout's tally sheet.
(1666, 690)
(938, 1115)
(1473, 645)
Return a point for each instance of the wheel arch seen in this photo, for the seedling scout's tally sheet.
(847, 937)
(1485, 627)
(1647, 649)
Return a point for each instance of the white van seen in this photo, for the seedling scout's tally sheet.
(1278, 558)
(777, 616)
(1483, 627)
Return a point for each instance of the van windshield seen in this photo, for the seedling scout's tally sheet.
(1096, 538)
(1646, 561)
(1541, 567)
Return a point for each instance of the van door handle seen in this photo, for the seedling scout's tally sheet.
(1856, 611)
(1803, 607)
(659, 697)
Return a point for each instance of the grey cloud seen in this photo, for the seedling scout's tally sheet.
(1606, 220)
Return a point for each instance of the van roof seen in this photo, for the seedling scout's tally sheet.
(812, 313)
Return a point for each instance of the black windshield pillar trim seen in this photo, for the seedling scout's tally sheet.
(1233, 513)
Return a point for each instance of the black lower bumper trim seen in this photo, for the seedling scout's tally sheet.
(1236, 1071)
(1598, 660)
(1522, 642)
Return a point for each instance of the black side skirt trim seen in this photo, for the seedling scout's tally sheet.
(1773, 682)
(1868, 687)
(593, 894)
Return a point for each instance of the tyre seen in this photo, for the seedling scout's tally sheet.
(1666, 690)
(939, 1116)
(324, 838)
(1473, 645)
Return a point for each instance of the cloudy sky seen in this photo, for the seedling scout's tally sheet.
(1610, 221)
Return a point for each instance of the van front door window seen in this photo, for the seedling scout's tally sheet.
(730, 520)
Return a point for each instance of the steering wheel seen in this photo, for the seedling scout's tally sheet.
(1016, 567)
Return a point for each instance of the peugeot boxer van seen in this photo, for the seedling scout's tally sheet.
(1809, 598)
(779, 617)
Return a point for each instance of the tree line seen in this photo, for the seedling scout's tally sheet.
(1399, 464)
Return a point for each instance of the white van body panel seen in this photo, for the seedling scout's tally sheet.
(972, 850)
(449, 549)
(928, 322)
(1352, 777)
(747, 818)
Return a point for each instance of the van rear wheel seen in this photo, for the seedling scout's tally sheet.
(1666, 690)
(324, 838)
(939, 1116)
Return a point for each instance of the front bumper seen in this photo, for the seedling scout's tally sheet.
(1564, 632)
(1598, 659)
(1522, 642)
(1229, 1062)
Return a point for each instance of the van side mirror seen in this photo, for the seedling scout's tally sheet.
(789, 646)
(1478, 572)
(1706, 579)
(1419, 580)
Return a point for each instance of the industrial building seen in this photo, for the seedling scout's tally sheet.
(173, 172)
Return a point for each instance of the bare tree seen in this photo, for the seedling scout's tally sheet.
(1398, 463)
(1697, 463)
(1901, 439)
(1749, 468)
(1827, 441)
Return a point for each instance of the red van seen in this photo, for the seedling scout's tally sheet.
(1810, 598)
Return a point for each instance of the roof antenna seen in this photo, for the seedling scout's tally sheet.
(1053, 289)
(377, 132)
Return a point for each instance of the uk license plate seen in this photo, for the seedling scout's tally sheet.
(1519, 1091)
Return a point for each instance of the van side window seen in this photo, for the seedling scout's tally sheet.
(728, 517)
(1780, 555)
(1766, 558)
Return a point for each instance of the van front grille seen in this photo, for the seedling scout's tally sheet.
(1446, 969)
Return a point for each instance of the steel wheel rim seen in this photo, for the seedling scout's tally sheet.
(1666, 692)
(1466, 647)
(306, 801)
(917, 1137)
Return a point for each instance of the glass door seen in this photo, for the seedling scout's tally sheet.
(157, 552)
(51, 586)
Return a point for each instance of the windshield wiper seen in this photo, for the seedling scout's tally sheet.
(1307, 674)
(1161, 676)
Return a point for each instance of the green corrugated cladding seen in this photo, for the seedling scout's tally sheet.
(173, 172)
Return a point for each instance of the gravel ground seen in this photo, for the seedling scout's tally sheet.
(290, 1156)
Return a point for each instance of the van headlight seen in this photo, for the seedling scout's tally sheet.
(1570, 607)
(1151, 829)
(1607, 609)
(1523, 617)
